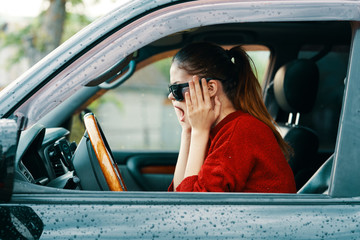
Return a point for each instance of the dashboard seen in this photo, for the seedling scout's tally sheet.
(44, 157)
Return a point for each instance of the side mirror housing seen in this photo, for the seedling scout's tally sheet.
(9, 137)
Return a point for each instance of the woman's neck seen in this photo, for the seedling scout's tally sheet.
(226, 108)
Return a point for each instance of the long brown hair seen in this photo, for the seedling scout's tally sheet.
(239, 82)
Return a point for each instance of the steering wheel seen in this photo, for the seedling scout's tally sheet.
(103, 154)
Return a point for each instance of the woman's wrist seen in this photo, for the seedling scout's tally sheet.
(197, 151)
(186, 130)
(200, 132)
(199, 140)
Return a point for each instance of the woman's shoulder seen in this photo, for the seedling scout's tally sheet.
(247, 122)
(249, 127)
(240, 124)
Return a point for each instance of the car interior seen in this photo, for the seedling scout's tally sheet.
(302, 68)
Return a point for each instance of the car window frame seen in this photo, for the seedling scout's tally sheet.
(344, 170)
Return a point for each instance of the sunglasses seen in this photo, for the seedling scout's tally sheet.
(178, 90)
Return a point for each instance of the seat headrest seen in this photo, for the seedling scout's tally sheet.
(296, 84)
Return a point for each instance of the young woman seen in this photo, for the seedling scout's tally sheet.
(229, 142)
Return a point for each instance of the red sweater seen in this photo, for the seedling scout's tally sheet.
(243, 156)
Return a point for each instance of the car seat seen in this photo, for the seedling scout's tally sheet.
(295, 88)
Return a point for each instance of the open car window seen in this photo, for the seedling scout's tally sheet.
(139, 116)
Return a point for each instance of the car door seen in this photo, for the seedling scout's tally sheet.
(80, 214)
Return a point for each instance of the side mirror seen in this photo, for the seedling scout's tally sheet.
(9, 136)
(20, 222)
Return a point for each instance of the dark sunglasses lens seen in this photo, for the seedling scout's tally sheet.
(176, 92)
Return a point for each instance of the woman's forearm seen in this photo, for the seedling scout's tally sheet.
(182, 157)
(197, 152)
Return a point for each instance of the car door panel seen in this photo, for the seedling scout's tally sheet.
(147, 171)
(141, 215)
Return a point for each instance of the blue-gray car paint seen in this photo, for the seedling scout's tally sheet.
(136, 215)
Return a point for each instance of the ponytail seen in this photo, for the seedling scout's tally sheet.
(248, 94)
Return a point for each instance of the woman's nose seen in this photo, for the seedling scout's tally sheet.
(171, 97)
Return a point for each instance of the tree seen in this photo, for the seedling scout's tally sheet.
(52, 25)
(45, 32)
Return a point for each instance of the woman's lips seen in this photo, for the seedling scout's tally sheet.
(180, 113)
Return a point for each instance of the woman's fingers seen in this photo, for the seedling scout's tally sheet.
(198, 92)
(205, 91)
(202, 112)
(193, 92)
(188, 102)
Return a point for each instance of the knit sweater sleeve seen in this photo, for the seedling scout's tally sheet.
(217, 174)
(244, 156)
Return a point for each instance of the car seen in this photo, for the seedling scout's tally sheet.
(103, 95)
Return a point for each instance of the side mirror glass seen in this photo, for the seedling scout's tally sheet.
(20, 222)
(9, 136)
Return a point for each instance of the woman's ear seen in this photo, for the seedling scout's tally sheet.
(213, 87)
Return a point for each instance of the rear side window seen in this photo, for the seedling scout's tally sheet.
(260, 55)
(324, 117)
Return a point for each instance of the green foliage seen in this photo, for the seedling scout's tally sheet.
(109, 97)
(29, 39)
(74, 22)
(21, 39)
(164, 67)
(261, 61)
(75, 2)
(77, 129)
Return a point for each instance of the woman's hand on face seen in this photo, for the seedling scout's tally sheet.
(200, 110)
(183, 120)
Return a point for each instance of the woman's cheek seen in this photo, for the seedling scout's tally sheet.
(185, 90)
(178, 112)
